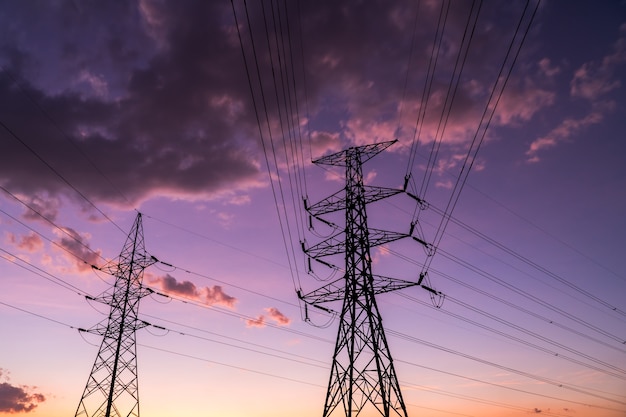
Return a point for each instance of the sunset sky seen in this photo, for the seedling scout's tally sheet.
(205, 116)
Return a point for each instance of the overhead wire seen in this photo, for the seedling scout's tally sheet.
(287, 133)
(483, 126)
(540, 268)
(234, 339)
(58, 174)
(270, 175)
(239, 287)
(513, 305)
(40, 272)
(432, 158)
(425, 92)
(61, 229)
(65, 135)
(304, 84)
(533, 298)
(408, 70)
(617, 372)
(294, 136)
(519, 256)
(560, 384)
(456, 375)
(299, 146)
(508, 387)
(453, 86)
(398, 334)
(294, 275)
(552, 236)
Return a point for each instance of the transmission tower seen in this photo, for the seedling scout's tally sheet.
(112, 388)
(362, 377)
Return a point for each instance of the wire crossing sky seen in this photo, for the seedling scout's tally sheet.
(206, 116)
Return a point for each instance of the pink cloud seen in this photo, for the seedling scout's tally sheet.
(274, 314)
(209, 295)
(240, 200)
(18, 399)
(215, 295)
(379, 252)
(591, 81)
(41, 206)
(258, 322)
(77, 250)
(185, 288)
(277, 316)
(30, 242)
(594, 79)
(521, 102)
(565, 130)
(546, 68)
(323, 143)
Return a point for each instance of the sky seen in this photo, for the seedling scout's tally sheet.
(205, 117)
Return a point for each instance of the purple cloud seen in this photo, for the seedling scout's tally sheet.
(152, 99)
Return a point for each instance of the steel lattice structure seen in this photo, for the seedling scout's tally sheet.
(112, 388)
(362, 374)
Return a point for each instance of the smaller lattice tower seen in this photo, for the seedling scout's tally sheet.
(112, 388)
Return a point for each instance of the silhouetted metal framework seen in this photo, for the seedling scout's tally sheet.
(362, 375)
(112, 388)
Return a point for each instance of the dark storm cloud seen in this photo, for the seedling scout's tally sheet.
(176, 127)
(358, 62)
(155, 95)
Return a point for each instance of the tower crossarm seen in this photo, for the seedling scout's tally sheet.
(365, 152)
(379, 237)
(330, 246)
(122, 266)
(336, 244)
(384, 284)
(337, 201)
(333, 291)
(330, 204)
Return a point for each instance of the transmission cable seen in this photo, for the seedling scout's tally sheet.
(484, 126)
(295, 278)
(63, 132)
(58, 174)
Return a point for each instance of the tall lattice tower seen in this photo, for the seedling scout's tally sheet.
(112, 388)
(362, 379)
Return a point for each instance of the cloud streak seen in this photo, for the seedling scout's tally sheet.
(592, 82)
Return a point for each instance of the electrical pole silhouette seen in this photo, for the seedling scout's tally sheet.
(362, 374)
(112, 388)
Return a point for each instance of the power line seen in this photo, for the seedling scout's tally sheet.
(58, 174)
(40, 272)
(483, 126)
(282, 223)
(65, 135)
(549, 381)
(403, 361)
